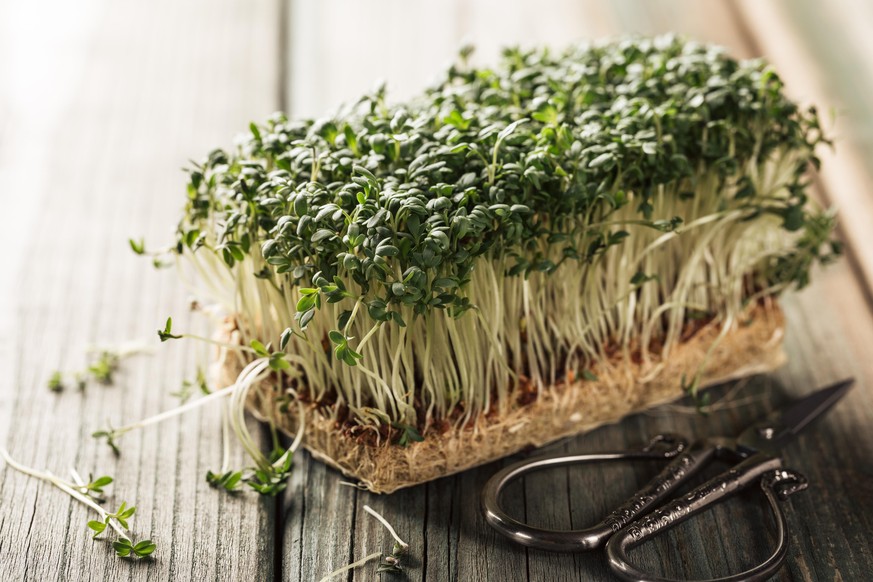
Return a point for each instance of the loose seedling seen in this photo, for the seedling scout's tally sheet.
(83, 492)
(268, 475)
(389, 563)
(187, 390)
(102, 366)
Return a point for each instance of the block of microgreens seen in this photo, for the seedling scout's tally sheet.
(516, 255)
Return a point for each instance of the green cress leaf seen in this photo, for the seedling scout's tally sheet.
(103, 369)
(98, 527)
(259, 348)
(125, 548)
(408, 434)
(185, 392)
(278, 362)
(166, 333)
(305, 317)
(285, 338)
(144, 548)
(272, 479)
(97, 484)
(56, 382)
(137, 247)
(110, 437)
(122, 547)
(639, 278)
(229, 481)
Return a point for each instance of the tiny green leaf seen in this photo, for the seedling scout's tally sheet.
(639, 278)
(110, 436)
(56, 382)
(167, 332)
(137, 246)
(285, 338)
(306, 303)
(98, 526)
(408, 433)
(122, 547)
(144, 548)
(278, 362)
(259, 348)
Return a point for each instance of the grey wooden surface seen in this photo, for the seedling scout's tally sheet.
(101, 102)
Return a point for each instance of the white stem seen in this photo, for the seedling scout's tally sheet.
(245, 380)
(175, 411)
(384, 521)
(351, 566)
(351, 317)
(301, 420)
(123, 350)
(367, 337)
(235, 347)
(84, 499)
(76, 477)
(64, 486)
(225, 438)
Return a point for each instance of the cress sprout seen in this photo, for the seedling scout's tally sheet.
(90, 494)
(509, 229)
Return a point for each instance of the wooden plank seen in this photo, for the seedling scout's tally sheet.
(105, 108)
(406, 511)
(319, 522)
(799, 39)
(712, 22)
(362, 43)
(829, 340)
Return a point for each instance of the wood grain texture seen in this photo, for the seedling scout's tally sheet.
(94, 123)
(798, 37)
(105, 102)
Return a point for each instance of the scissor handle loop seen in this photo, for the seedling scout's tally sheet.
(665, 446)
(776, 483)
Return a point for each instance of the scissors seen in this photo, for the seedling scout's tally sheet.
(754, 458)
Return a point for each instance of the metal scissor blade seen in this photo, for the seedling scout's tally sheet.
(780, 427)
(811, 407)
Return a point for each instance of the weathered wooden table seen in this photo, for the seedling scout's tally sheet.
(101, 102)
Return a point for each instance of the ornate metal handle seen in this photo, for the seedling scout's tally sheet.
(775, 482)
(685, 463)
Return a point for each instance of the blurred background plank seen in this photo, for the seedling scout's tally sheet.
(339, 49)
(825, 54)
(101, 103)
